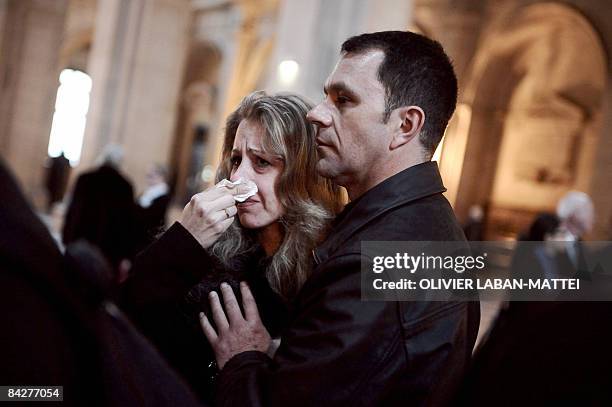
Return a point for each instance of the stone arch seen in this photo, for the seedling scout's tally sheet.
(532, 116)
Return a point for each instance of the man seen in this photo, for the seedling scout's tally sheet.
(387, 104)
(577, 215)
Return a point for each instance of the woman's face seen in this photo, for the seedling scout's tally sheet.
(251, 163)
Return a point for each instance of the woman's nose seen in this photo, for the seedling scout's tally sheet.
(243, 171)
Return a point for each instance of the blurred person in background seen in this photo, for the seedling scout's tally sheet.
(59, 326)
(102, 212)
(153, 203)
(564, 257)
(267, 141)
(474, 227)
(577, 214)
(532, 257)
(58, 172)
(549, 352)
(193, 183)
(544, 227)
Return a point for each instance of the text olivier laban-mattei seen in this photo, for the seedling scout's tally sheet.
(456, 264)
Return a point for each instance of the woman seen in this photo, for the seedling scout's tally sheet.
(267, 141)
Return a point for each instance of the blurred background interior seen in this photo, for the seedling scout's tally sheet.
(147, 85)
(158, 77)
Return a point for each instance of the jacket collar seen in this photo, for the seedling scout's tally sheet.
(411, 184)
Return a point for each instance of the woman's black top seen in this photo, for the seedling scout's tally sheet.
(169, 286)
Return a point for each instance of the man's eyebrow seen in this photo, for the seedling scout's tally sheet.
(339, 87)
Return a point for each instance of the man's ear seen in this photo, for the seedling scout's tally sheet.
(411, 120)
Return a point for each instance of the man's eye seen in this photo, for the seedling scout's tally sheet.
(341, 100)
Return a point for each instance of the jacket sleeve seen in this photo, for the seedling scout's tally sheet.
(75, 211)
(161, 277)
(332, 348)
(152, 296)
(166, 270)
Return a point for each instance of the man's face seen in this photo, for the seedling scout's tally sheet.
(352, 138)
(581, 221)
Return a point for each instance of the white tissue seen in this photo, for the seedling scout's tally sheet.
(249, 186)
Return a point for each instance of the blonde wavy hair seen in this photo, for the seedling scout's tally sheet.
(310, 201)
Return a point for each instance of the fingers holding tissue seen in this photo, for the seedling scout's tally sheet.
(209, 213)
(244, 188)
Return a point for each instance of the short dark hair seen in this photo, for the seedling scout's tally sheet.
(414, 72)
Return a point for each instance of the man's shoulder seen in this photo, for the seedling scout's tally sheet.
(428, 219)
(431, 218)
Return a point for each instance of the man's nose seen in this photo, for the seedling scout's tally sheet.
(319, 115)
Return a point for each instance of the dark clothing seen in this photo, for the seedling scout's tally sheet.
(168, 288)
(474, 230)
(57, 328)
(57, 179)
(547, 353)
(102, 212)
(339, 350)
(152, 219)
(544, 354)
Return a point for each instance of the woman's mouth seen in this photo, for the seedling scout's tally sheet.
(246, 204)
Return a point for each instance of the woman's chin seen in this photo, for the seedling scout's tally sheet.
(252, 221)
(249, 221)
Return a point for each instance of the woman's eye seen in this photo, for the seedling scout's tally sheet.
(235, 161)
(261, 163)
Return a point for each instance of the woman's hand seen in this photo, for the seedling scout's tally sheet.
(209, 214)
(235, 334)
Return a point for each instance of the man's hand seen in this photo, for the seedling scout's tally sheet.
(238, 334)
(209, 214)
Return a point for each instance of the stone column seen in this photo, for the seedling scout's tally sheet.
(250, 35)
(456, 24)
(110, 66)
(325, 25)
(600, 181)
(307, 31)
(136, 64)
(31, 40)
(3, 11)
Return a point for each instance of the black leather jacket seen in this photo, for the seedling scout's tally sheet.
(339, 350)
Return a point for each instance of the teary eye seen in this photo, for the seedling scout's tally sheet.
(261, 163)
